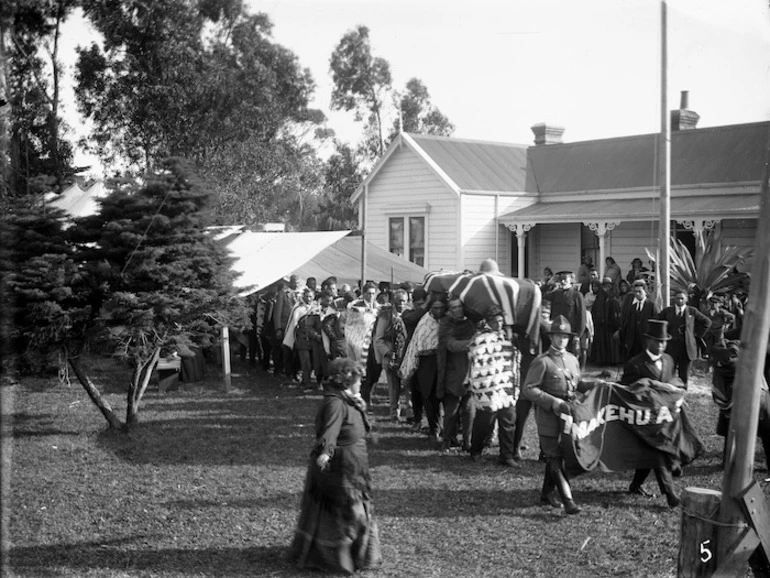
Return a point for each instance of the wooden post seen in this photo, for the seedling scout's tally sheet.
(226, 356)
(697, 548)
(741, 437)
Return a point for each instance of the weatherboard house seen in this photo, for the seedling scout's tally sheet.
(447, 203)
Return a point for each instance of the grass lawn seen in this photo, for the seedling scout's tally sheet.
(209, 485)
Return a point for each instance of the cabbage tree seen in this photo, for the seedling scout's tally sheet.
(712, 272)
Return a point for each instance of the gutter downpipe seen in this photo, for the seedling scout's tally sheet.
(363, 236)
(497, 228)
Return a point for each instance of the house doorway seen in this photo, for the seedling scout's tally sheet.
(686, 237)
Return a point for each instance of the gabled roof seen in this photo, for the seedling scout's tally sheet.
(724, 154)
(464, 165)
(477, 165)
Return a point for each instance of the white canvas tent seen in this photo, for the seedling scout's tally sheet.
(263, 258)
(77, 202)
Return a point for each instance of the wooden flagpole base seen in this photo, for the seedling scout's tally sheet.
(697, 547)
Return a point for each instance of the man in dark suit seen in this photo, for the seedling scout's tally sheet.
(567, 301)
(685, 325)
(634, 318)
(653, 363)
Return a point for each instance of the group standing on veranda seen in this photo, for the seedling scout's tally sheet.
(470, 381)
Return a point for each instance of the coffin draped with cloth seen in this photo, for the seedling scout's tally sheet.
(519, 300)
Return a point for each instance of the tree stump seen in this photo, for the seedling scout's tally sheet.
(697, 546)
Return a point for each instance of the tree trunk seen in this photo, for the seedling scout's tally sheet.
(7, 169)
(54, 118)
(95, 396)
(140, 378)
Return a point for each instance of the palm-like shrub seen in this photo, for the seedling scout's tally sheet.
(712, 272)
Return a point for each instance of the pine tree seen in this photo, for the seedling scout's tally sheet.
(169, 283)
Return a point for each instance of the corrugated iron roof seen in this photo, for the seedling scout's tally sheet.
(477, 165)
(689, 207)
(726, 154)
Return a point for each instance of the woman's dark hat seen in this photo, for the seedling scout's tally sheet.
(561, 325)
(657, 330)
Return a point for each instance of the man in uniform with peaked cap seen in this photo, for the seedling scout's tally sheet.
(552, 381)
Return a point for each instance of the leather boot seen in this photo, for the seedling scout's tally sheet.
(562, 486)
(548, 493)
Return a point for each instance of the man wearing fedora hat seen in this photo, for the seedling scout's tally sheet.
(653, 363)
(551, 382)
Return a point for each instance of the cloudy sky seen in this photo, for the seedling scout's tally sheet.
(495, 68)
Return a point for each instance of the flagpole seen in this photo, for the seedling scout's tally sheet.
(664, 150)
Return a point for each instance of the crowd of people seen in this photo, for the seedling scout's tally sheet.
(469, 384)
(610, 315)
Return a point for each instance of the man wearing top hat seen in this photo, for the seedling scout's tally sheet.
(685, 325)
(551, 382)
(653, 363)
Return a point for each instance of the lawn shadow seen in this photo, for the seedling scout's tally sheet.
(444, 503)
(218, 429)
(124, 555)
(26, 425)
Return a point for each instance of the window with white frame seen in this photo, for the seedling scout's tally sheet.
(406, 238)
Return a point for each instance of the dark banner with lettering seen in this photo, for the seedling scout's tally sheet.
(619, 427)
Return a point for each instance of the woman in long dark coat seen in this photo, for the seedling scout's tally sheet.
(606, 317)
(336, 530)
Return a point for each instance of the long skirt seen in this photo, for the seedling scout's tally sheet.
(606, 347)
(336, 530)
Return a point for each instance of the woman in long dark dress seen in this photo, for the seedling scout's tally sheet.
(606, 317)
(336, 530)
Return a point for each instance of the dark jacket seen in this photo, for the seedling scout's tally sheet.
(569, 303)
(633, 323)
(454, 336)
(641, 366)
(334, 329)
(285, 299)
(691, 326)
(307, 335)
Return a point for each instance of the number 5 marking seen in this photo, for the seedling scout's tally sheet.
(705, 551)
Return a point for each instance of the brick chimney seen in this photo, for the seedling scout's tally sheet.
(684, 119)
(546, 134)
